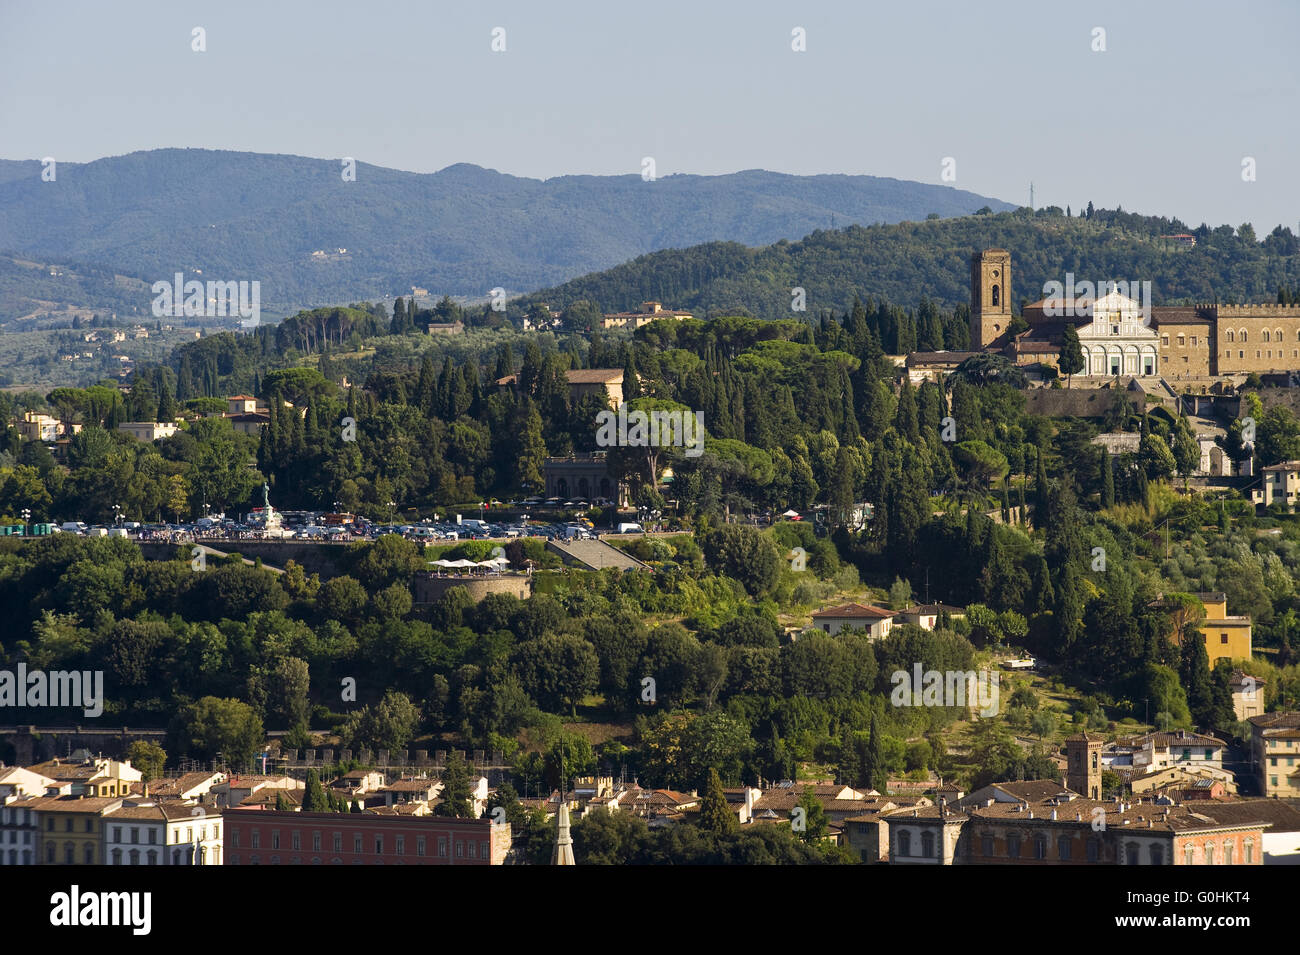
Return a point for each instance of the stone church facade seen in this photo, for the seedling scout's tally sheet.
(1119, 337)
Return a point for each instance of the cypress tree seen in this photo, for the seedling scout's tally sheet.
(1195, 674)
(1071, 356)
(873, 770)
(1285, 654)
(314, 799)
(166, 405)
(424, 388)
(1223, 714)
(455, 790)
(506, 362)
(1107, 481)
(716, 816)
(906, 420)
(1043, 596)
(1040, 489)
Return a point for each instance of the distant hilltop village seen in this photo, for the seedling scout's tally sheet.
(1119, 335)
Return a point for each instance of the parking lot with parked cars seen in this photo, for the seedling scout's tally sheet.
(336, 527)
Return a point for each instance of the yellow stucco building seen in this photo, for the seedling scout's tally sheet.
(72, 830)
(1226, 636)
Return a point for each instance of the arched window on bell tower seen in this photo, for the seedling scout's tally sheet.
(997, 295)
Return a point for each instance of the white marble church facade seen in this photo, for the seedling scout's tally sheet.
(1119, 339)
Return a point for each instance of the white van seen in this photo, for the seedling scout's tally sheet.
(73, 527)
(629, 529)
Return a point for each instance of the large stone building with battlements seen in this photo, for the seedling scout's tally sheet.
(1121, 336)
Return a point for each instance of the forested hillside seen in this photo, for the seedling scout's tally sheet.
(905, 262)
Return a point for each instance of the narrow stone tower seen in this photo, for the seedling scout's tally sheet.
(1083, 775)
(990, 296)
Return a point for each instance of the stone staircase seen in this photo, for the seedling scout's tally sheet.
(595, 555)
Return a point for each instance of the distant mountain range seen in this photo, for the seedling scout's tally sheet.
(286, 220)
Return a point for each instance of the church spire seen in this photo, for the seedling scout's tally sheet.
(563, 854)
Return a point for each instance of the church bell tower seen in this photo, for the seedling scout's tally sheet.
(1083, 765)
(990, 296)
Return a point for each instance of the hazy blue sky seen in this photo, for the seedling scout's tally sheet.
(1160, 122)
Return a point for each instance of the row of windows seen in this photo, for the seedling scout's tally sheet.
(179, 856)
(1295, 353)
(69, 851)
(1242, 336)
(152, 833)
(13, 857)
(1209, 753)
(255, 859)
(1211, 857)
(927, 844)
(12, 836)
(358, 847)
(1064, 848)
(67, 824)
(17, 817)
(134, 856)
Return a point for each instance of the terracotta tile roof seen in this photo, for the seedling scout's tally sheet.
(1282, 816)
(662, 313)
(855, 611)
(1167, 740)
(1275, 721)
(579, 376)
(69, 772)
(75, 804)
(1181, 315)
(1136, 817)
(154, 813)
(411, 785)
(930, 813)
(268, 796)
(939, 357)
(400, 809)
(179, 784)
